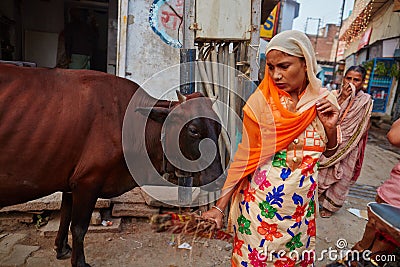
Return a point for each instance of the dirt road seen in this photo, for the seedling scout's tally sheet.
(137, 245)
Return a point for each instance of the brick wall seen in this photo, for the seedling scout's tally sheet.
(325, 43)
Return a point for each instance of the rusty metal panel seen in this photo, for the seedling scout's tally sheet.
(223, 20)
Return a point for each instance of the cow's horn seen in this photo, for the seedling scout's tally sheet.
(213, 99)
(181, 97)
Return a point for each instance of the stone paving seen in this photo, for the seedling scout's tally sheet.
(12, 253)
(130, 204)
(342, 226)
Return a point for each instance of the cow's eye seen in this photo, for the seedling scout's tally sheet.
(193, 132)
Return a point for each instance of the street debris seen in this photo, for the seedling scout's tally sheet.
(106, 223)
(185, 246)
(359, 213)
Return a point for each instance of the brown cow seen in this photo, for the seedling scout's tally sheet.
(61, 130)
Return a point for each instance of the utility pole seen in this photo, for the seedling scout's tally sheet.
(306, 27)
(337, 45)
(187, 86)
(316, 37)
(318, 27)
(254, 39)
(188, 51)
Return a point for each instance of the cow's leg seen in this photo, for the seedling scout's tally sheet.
(62, 248)
(83, 202)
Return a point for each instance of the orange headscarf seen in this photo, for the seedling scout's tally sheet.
(268, 126)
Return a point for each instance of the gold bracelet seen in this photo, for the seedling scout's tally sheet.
(217, 208)
(333, 148)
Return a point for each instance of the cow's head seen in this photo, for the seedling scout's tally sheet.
(190, 138)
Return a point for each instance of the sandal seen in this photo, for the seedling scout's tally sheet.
(325, 213)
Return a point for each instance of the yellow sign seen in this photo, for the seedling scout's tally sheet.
(270, 26)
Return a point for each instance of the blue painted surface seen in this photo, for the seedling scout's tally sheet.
(379, 86)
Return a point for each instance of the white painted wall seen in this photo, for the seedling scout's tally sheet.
(223, 19)
(147, 56)
(290, 11)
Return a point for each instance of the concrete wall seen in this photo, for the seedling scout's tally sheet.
(148, 57)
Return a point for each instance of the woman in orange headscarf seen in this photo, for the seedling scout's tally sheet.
(288, 122)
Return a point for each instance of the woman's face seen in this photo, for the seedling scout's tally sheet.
(355, 78)
(288, 72)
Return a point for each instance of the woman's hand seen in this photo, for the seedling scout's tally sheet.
(344, 93)
(215, 215)
(327, 113)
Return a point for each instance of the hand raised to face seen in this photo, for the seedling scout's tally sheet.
(327, 113)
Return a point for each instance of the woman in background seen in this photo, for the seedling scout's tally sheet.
(339, 172)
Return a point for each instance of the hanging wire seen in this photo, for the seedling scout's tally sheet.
(180, 17)
(207, 51)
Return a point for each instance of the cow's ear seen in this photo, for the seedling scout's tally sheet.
(156, 113)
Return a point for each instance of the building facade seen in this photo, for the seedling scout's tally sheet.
(371, 37)
(325, 44)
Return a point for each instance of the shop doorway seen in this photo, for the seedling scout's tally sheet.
(33, 31)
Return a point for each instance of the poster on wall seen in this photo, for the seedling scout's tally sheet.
(364, 38)
(340, 50)
(270, 26)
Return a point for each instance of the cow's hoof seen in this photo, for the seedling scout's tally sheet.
(65, 253)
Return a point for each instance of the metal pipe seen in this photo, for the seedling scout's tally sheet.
(187, 70)
(214, 65)
(222, 97)
(207, 86)
(232, 101)
(254, 39)
(209, 71)
(226, 81)
(121, 37)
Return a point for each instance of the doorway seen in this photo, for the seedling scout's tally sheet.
(34, 30)
(94, 15)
